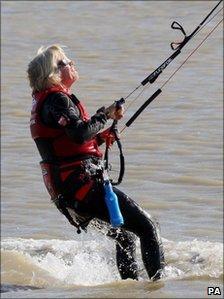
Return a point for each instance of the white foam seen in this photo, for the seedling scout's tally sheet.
(71, 262)
(93, 262)
(193, 258)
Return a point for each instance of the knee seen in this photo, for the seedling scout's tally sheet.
(148, 226)
(124, 238)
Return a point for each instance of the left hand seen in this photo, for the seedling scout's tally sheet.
(114, 112)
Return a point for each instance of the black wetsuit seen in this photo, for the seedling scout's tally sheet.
(136, 221)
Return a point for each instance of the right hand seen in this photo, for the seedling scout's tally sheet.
(115, 112)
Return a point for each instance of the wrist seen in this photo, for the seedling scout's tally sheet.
(105, 111)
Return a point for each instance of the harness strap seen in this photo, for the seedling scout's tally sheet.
(59, 202)
(73, 180)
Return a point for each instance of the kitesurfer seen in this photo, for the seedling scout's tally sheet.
(68, 141)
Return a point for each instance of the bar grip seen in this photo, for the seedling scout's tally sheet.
(139, 111)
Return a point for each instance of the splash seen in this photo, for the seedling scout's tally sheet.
(192, 259)
(58, 262)
(43, 263)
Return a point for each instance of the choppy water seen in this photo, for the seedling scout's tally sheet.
(47, 264)
(173, 151)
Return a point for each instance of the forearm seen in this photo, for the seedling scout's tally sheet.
(60, 112)
(81, 131)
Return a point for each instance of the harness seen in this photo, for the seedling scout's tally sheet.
(71, 182)
(74, 168)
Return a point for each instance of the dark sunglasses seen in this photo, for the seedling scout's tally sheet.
(63, 63)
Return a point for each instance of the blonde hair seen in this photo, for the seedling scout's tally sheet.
(43, 70)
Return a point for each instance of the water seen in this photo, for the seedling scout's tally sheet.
(64, 263)
(173, 151)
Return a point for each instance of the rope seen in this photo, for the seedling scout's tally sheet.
(206, 37)
(191, 54)
(147, 86)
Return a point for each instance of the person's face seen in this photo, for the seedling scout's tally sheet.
(68, 72)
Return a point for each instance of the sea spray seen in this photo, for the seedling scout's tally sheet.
(92, 262)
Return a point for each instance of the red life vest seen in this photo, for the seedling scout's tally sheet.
(63, 146)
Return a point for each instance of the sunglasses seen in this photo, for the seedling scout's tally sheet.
(64, 62)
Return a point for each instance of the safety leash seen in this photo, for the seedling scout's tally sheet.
(114, 130)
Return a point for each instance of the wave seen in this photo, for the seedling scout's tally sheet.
(60, 263)
(7, 287)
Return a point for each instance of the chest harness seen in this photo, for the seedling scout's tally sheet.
(73, 168)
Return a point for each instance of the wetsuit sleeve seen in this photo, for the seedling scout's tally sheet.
(59, 111)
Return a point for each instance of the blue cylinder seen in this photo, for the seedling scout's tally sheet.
(116, 218)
